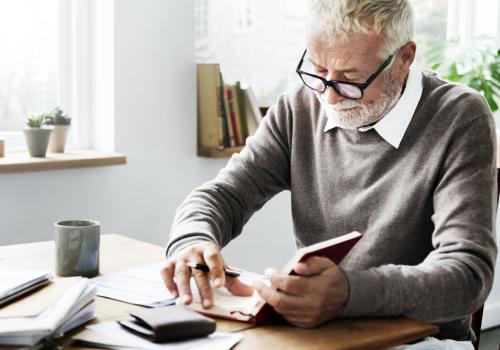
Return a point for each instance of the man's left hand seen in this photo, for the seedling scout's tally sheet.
(317, 293)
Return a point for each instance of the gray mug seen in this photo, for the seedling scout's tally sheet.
(77, 248)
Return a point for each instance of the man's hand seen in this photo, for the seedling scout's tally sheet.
(176, 274)
(315, 295)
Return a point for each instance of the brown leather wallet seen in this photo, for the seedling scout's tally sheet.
(169, 323)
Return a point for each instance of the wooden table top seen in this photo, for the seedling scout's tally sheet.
(121, 253)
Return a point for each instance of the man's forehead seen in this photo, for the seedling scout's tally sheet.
(359, 49)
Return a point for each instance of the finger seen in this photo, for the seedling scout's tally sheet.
(182, 276)
(282, 302)
(215, 263)
(167, 274)
(313, 266)
(237, 287)
(203, 283)
(293, 285)
(301, 321)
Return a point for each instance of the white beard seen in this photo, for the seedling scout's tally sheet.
(352, 114)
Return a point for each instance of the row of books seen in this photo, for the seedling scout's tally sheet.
(227, 113)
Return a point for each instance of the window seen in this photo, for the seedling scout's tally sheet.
(201, 18)
(42, 65)
(244, 16)
(28, 63)
(264, 48)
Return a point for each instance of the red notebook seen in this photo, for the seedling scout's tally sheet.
(253, 309)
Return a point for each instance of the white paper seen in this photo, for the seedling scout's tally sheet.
(114, 335)
(72, 309)
(140, 286)
(229, 305)
(14, 281)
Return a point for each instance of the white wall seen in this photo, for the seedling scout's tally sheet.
(155, 123)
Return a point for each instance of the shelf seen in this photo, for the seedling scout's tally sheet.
(218, 152)
(22, 162)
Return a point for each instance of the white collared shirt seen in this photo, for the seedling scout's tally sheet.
(393, 125)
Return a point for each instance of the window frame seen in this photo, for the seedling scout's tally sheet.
(73, 76)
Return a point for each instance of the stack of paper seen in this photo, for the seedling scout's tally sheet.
(110, 335)
(141, 286)
(55, 309)
(16, 283)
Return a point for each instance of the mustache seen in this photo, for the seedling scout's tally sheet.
(346, 104)
(340, 106)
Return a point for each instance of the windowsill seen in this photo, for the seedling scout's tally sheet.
(22, 162)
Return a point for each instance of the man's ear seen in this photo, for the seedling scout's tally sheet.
(407, 55)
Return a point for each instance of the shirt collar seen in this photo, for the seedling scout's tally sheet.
(393, 125)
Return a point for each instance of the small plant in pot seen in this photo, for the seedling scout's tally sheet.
(60, 124)
(37, 137)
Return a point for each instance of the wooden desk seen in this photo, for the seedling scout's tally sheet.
(121, 253)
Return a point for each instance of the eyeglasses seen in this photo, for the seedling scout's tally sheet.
(347, 89)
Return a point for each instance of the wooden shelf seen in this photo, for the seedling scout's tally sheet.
(218, 152)
(22, 162)
(208, 152)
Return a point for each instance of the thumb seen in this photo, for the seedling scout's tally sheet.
(314, 265)
(236, 287)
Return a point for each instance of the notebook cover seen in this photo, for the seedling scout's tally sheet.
(335, 252)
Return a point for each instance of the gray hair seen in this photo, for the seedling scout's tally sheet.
(393, 19)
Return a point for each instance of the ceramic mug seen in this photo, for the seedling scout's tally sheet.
(77, 248)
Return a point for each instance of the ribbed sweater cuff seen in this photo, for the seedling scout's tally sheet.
(186, 240)
(363, 286)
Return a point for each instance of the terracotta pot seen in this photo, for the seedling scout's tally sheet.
(58, 138)
(37, 140)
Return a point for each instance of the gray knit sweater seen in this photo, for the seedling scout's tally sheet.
(426, 210)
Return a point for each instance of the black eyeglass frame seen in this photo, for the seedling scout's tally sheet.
(334, 83)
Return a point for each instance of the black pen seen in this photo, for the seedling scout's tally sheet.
(228, 271)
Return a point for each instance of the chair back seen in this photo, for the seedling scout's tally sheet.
(477, 317)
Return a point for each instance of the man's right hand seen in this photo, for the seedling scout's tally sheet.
(176, 274)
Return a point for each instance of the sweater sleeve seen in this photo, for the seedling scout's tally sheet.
(456, 277)
(218, 210)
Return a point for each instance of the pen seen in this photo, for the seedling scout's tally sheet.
(228, 271)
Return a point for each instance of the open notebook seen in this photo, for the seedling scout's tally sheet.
(255, 310)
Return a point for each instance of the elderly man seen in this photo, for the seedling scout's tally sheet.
(366, 143)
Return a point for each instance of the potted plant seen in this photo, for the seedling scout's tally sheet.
(476, 65)
(60, 124)
(37, 137)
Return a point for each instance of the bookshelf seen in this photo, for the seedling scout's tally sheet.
(227, 113)
(211, 152)
(218, 153)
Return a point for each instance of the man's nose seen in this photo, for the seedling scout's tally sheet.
(331, 96)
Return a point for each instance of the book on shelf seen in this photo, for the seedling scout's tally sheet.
(242, 111)
(255, 310)
(252, 110)
(209, 117)
(224, 110)
(234, 113)
(227, 113)
(229, 122)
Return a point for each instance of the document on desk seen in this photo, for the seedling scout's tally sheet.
(73, 308)
(110, 335)
(36, 302)
(140, 286)
(18, 282)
